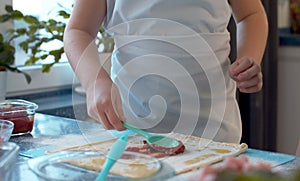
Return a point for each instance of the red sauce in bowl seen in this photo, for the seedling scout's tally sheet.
(21, 115)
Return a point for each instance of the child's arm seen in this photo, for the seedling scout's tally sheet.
(252, 32)
(83, 56)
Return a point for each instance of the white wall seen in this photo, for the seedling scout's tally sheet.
(61, 75)
(3, 4)
(288, 99)
(283, 13)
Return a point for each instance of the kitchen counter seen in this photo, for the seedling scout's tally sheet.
(51, 133)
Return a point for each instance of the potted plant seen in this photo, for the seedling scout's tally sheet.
(33, 40)
(7, 58)
(52, 31)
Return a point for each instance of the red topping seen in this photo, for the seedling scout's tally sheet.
(158, 151)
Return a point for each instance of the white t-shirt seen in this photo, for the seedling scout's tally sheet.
(171, 64)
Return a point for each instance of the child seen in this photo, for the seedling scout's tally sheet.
(170, 66)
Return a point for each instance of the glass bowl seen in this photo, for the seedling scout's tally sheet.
(6, 128)
(20, 112)
(8, 157)
(86, 165)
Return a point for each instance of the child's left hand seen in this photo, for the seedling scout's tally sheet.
(247, 75)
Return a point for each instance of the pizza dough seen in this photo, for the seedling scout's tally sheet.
(198, 151)
(130, 166)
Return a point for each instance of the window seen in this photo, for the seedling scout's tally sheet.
(61, 75)
(43, 10)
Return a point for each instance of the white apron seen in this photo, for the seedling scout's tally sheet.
(171, 64)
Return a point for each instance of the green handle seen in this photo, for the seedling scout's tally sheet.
(114, 154)
(104, 172)
(138, 131)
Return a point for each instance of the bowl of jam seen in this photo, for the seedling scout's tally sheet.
(20, 112)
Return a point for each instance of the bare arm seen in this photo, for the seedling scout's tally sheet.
(252, 32)
(80, 32)
(103, 101)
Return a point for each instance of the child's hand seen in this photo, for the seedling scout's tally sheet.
(247, 75)
(104, 104)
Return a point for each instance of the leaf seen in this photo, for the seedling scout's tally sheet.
(27, 77)
(33, 50)
(21, 31)
(47, 67)
(31, 39)
(32, 29)
(7, 57)
(31, 19)
(7, 54)
(45, 40)
(14, 69)
(4, 18)
(31, 60)
(52, 22)
(43, 57)
(64, 14)
(24, 46)
(56, 54)
(17, 15)
(9, 47)
(8, 8)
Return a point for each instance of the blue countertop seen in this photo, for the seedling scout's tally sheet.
(66, 132)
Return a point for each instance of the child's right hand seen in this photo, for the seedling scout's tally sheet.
(104, 104)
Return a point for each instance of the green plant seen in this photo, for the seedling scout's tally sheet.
(7, 58)
(37, 33)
